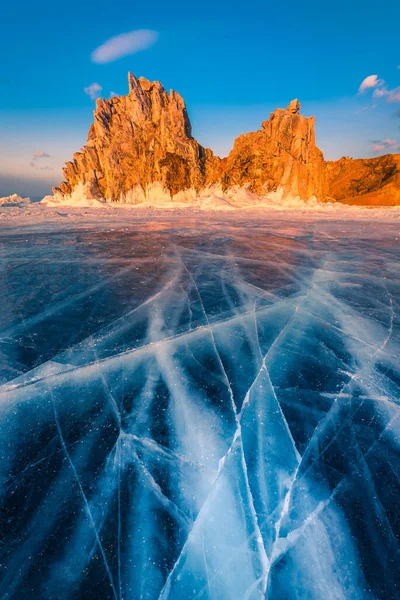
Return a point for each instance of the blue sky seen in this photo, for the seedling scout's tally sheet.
(233, 62)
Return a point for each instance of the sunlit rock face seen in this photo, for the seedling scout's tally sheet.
(282, 154)
(367, 181)
(140, 149)
(138, 140)
(192, 408)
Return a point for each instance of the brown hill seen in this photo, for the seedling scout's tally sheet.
(365, 181)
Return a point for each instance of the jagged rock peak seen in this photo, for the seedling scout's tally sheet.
(142, 88)
(139, 141)
(282, 155)
(294, 107)
(138, 85)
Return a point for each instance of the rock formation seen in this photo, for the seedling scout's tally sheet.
(137, 142)
(282, 154)
(365, 181)
(140, 147)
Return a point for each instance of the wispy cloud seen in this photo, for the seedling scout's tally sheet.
(93, 90)
(124, 45)
(370, 82)
(379, 146)
(38, 156)
(381, 90)
(36, 166)
(389, 95)
(113, 95)
(364, 108)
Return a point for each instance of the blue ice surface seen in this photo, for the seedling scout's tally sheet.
(200, 410)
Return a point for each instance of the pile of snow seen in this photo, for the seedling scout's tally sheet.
(79, 197)
(215, 202)
(243, 198)
(212, 198)
(14, 200)
(156, 196)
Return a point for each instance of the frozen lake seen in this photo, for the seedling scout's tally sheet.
(200, 407)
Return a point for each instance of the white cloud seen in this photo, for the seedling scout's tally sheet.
(383, 145)
(35, 166)
(390, 95)
(124, 45)
(389, 142)
(394, 95)
(37, 155)
(364, 108)
(378, 148)
(380, 89)
(369, 82)
(113, 95)
(379, 93)
(93, 90)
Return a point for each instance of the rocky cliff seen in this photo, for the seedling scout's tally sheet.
(140, 147)
(365, 181)
(138, 143)
(282, 154)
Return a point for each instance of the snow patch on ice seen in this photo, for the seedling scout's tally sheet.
(14, 200)
(78, 197)
(157, 196)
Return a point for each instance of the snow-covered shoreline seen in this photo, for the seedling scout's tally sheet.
(14, 200)
(211, 198)
(236, 203)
